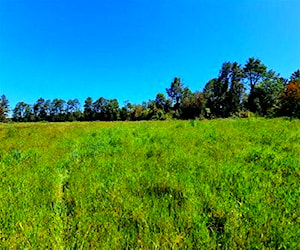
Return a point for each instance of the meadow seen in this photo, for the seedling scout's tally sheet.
(212, 184)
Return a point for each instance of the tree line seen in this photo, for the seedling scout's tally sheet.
(237, 91)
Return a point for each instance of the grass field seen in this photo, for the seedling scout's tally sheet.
(219, 184)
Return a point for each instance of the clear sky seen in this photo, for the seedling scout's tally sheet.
(132, 49)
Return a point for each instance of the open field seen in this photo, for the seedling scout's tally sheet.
(224, 184)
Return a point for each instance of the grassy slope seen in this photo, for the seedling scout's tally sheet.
(209, 184)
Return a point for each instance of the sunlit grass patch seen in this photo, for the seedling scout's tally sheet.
(175, 184)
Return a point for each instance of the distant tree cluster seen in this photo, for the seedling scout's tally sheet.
(236, 91)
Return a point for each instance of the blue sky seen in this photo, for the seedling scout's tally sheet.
(132, 49)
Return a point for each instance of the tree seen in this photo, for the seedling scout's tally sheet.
(175, 92)
(125, 111)
(216, 92)
(295, 75)
(192, 105)
(264, 97)
(254, 72)
(138, 112)
(99, 108)
(4, 108)
(224, 94)
(236, 90)
(158, 109)
(290, 99)
(39, 110)
(111, 110)
(88, 112)
(73, 110)
(271, 89)
(213, 96)
(58, 110)
(47, 108)
(162, 103)
(22, 112)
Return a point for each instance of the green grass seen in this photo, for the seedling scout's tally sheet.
(220, 184)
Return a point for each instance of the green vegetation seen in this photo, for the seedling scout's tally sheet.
(219, 184)
(235, 92)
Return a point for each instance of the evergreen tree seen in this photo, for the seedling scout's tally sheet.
(23, 113)
(4, 108)
(88, 112)
(295, 76)
(254, 72)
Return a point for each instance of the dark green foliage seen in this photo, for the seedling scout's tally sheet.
(236, 91)
(23, 113)
(162, 103)
(112, 112)
(73, 112)
(138, 112)
(193, 106)
(4, 108)
(41, 109)
(160, 107)
(183, 103)
(175, 92)
(254, 72)
(264, 98)
(224, 94)
(58, 110)
(125, 111)
(88, 109)
(295, 76)
(106, 110)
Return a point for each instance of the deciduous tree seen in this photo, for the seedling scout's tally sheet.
(290, 100)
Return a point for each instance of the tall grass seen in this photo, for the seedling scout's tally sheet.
(221, 184)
